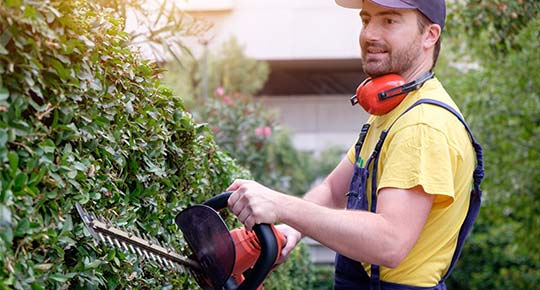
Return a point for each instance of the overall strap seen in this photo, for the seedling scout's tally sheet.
(360, 142)
(476, 193)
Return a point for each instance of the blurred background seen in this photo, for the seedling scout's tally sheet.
(310, 54)
(269, 83)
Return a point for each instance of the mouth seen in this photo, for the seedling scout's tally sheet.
(375, 50)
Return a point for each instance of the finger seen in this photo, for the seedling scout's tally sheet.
(243, 215)
(235, 185)
(249, 223)
(285, 252)
(292, 237)
(289, 246)
(237, 208)
(235, 199)
(232, 201)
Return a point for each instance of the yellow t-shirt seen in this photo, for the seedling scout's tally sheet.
(427, 146)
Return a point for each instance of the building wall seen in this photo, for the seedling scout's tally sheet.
(282, 29)
(317, 122)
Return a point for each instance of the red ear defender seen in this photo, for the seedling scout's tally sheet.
(380, 95)
(373, 97)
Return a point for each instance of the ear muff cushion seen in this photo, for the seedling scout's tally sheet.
(368, 92)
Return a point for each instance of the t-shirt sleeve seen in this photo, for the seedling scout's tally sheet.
(420, 155)
(351, 154)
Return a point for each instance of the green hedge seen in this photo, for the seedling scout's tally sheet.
(83, 119)
(241, 124)
(502, 103)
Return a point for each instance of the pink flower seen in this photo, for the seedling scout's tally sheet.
(259, 131)
(227, 100)
(265, 132)
(220, 91)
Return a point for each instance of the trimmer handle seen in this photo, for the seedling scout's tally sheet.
(267, 239)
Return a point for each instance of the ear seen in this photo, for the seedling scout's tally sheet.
(431, 35)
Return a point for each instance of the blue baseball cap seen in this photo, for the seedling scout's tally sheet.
(434, 10)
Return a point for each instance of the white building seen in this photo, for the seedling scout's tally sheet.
(314, 56)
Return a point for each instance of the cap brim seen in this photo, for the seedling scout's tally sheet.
(350, 3)
(357, 4)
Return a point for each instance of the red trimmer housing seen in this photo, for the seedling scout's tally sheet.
(248, 250)
(235, 260)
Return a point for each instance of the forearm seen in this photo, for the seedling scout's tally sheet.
(359, 235)
(384, 238)
(321, 195)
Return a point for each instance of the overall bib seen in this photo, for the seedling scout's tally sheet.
(350, 274)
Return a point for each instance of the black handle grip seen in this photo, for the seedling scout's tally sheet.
(219, 201)
(267, 239)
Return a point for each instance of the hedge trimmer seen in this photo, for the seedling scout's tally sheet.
(220, 259)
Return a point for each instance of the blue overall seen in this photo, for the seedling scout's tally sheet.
(350, 274)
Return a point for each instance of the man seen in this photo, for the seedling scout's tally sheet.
(397, 212)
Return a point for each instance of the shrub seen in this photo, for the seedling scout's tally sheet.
(82, 119)
(502, 251)
(226, 69)
(249, 132)
(241, 125)
(296, 273)
(324, 278)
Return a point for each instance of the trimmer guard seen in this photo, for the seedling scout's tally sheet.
(214, 247)
(209, 239)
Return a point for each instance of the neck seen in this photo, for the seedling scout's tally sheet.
(417, 71)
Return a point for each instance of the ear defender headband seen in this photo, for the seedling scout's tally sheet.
(380, 95)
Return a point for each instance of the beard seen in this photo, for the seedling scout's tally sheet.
(396, 61)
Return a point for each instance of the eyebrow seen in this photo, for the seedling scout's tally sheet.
(383, 13)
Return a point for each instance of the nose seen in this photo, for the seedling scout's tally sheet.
(370, 32)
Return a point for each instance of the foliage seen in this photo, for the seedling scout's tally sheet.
(324, 278)
(228, 69)
(234, 72)
(82, 119)
(249, 132)
(157, 27)
(296, 273)
(326, 161)
(502, 102)
(242, 126)
(498, 22)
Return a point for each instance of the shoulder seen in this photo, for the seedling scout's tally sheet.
(427, 114)
(429, 122)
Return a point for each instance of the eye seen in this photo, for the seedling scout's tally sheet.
(390, 21)
(365, 21)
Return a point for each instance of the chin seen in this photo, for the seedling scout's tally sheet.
(374, 70)
(376, 73)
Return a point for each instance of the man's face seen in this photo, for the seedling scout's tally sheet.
(390, 40)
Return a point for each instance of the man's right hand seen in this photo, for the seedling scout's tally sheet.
(293, 237)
